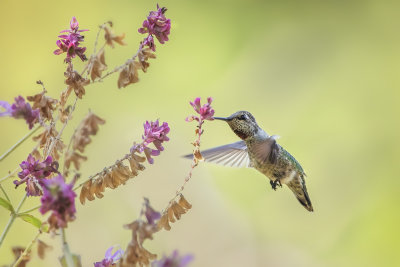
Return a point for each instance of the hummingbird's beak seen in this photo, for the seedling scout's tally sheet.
(221, 118)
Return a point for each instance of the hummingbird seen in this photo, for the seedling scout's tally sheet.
(261, 151)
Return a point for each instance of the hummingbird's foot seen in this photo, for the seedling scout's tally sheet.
(275, 183)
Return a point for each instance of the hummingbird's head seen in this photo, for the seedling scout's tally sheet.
(242, 123)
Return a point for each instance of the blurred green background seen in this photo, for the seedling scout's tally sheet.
(324, 75)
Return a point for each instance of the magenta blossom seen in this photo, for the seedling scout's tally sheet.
(206, 112)
(151, 215)
(59, 198)
(175, 260)
(70, 42)
(20, 110)
(153, 133)
(110, 259)
(32, 172)
(156, 24)
(149, 41)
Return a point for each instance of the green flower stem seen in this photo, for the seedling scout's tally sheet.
(27, 250)
(11, 220)
(67, 254)
(5, 193)
(30, 210)
(8, 152)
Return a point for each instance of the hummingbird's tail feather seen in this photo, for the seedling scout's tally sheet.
(298, 187)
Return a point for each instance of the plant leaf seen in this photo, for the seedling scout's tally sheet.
(6, 204)
(31, 219)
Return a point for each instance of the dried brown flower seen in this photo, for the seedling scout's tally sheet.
(184, 203)
(98, 65)
(75, 158)
(64, 96)
(174, 212)
(88, 126)
(129, 74)
(109, 178)
(46, 138)
(75, 81)
(17, 251)
(135, 254)
(135, 163)
(197, 155)
(112, 177)
(143, 57)
(36, 154)
(45, 104)
(65, 113)
(42, 247)
(111, 37)
(85, 192)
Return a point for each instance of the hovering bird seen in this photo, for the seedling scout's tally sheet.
(260, 151)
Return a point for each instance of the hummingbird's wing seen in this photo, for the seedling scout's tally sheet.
(232, 155)
(267, 151)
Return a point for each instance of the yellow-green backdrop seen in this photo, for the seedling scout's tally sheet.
(324, 75)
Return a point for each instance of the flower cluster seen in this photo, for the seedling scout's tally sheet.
(33, 171)
(153, 133)
(175, 260)
(20, 109)
(46, 105)
(130, 73)
(118, 174)
(111, 37)
(174, 212)
(156, 24)
(206, 112)
(135, 254)
(59, 198)
(110, 259)
(48, 137)
(70, 42)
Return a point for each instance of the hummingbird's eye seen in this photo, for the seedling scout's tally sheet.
(242, 117)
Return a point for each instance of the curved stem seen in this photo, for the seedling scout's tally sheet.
(11, 220)
(8, 152)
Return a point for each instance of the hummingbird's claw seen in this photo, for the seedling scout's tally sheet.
(275, 183)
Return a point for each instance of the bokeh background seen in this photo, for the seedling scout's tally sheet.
(324, 75)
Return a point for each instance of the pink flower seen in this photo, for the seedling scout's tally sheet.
(110, 259)
(38, 170)
(149, 41)
(151, 215)
(156, 24)
(175, 260)
(153, 133)
(59, 198)
(206, 112)
(32, 172)
(20, 110)
(70, 42)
